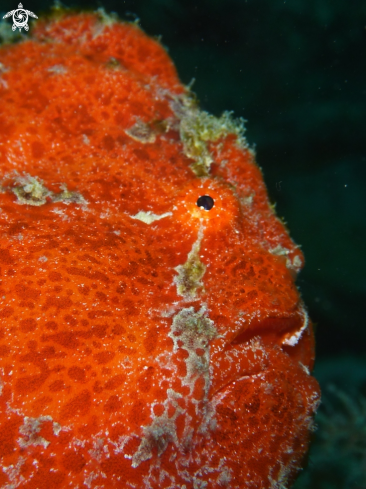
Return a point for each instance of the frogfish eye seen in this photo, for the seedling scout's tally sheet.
(206, 202)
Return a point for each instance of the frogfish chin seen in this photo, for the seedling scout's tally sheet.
(151, 333)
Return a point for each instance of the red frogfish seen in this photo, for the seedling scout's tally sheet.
(151, 333)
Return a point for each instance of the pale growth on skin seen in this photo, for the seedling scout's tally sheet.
(99, 449)
(89, 479)
(282, 478)
(57, 69)
(161, 432)
(4, 83)
(248, 200)
(30, 429)
(107, 19)
(13, 471)
(32, 191)
(297, 262)
(56, 428)
(61, 213)
(194, 331)
(149, 217)
(43, 259)
(158, 434)
(294, 264)
(68, 197)
(191, 272)
(225, 476)
(141, 132)
(279, 251)
(86, 140)
(198, 128)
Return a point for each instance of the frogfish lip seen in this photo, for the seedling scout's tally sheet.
(281, 329)
(275, 331)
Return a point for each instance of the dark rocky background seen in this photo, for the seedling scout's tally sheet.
(296, 71)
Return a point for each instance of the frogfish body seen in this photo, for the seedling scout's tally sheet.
(151, 334)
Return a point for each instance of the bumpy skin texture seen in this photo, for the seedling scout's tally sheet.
(145, 342)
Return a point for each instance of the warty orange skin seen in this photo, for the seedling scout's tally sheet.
(145, 342)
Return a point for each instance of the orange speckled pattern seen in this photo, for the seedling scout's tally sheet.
(145, 342)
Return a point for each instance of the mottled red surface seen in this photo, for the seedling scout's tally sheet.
(170, 354)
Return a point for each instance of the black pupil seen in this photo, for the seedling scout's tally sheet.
(206, 202)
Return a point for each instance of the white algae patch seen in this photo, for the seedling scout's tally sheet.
(191, 272)
(31, 190)
(198, 128)
(30, 429)
(193, 332)
(149, 217)
(141, 132)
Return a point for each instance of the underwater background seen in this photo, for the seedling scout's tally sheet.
(296, 71)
